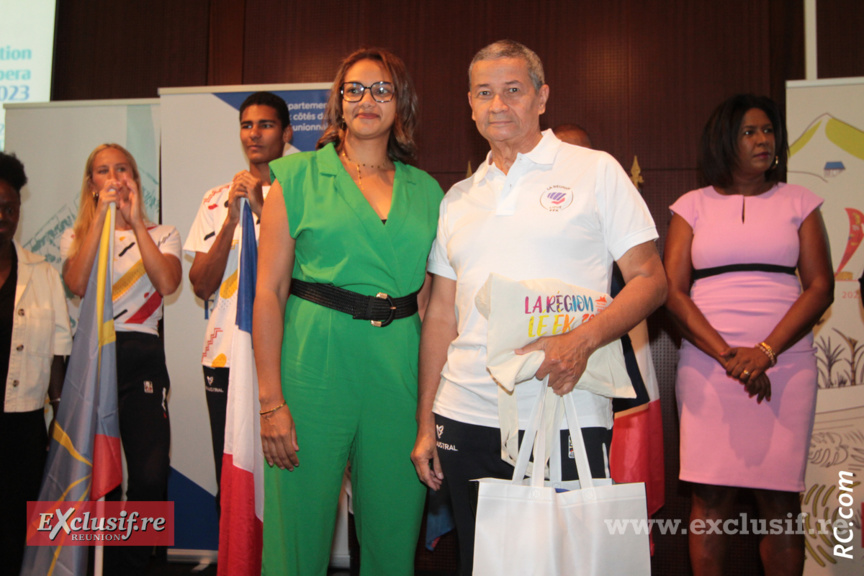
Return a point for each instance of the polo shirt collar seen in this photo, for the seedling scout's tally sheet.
(542, 154)
(545, 150)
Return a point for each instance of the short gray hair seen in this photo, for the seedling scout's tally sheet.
(511, 49)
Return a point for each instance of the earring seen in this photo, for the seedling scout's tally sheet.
(774, 164)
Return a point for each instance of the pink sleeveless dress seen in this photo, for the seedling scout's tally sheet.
(727, 438)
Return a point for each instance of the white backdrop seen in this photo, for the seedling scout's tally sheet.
(825, 119)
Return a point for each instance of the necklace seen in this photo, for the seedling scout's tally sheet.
(377, 167)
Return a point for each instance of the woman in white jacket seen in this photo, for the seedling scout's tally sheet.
(34, 338)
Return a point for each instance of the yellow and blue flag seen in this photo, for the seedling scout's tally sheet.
(84, 460)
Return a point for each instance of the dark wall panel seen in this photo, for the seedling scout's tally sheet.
(838, 33)
(114, 49)
(640, 76)
(684, 63)
(226, 36)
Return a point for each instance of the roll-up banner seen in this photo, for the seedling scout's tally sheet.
(825, 119)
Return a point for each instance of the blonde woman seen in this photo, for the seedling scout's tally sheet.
(146, 268)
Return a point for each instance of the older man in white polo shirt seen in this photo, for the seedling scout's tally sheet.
(536, 208)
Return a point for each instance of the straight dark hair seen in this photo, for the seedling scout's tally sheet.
(271, 100)
(401, 144)
(718, 149)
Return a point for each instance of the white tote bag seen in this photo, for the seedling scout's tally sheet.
(528, 526)
(519, 312)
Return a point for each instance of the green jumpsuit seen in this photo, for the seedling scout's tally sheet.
(351, 386)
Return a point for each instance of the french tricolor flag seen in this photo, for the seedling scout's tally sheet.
(242, 498)
(637, 436)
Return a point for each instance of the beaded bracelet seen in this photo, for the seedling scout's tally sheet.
(266, 412)
(768, 351)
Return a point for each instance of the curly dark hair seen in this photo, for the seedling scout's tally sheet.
(718, 149)
(12, 171)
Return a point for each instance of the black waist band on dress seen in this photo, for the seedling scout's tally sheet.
(380, 309)
(705, 272)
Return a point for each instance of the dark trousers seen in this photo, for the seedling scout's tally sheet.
(23, 438)
(468, 452)
(216, 390)
(142, 394)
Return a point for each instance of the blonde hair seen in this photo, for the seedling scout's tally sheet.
(87, 202)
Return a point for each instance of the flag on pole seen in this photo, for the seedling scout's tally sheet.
(84, 460)
(242, 498)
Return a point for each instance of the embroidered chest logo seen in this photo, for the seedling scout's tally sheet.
(556, 198)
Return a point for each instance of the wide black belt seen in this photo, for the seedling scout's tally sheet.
(705, 272)
(380, 309)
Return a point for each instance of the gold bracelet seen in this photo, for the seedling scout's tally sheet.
(266, 412)
(768, 351)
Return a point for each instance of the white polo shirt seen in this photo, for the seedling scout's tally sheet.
(561, 212)
(223, 313)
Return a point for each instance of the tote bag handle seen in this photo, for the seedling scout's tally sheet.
(546, 409)
(530, 439)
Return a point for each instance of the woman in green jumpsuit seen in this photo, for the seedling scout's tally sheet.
(354, 216)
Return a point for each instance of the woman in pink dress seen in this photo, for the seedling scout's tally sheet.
(746, 382)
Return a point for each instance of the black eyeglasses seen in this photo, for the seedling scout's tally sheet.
(354, 91)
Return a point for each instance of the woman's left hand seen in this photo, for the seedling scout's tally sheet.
(759, 386)
(748, 365)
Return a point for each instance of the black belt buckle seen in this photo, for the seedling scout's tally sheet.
(379, 324)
